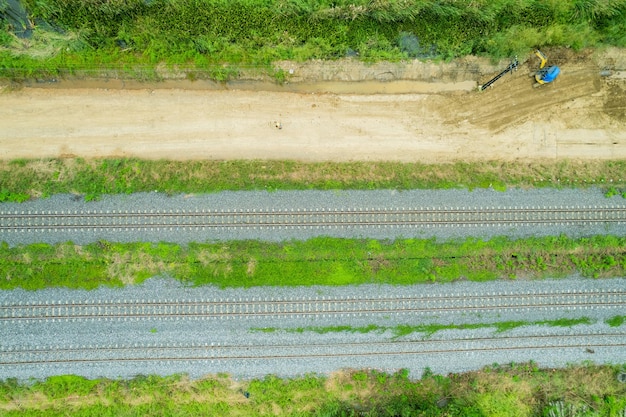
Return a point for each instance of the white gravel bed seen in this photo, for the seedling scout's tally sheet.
(54, 335)
(320, 200)
(462, 351)
(169, 289)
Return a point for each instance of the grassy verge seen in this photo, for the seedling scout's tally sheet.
(320, 261)
(136, 36)
(428, 330)
(24, 179)
(512, 390)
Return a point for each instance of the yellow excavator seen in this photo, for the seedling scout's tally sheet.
(544, 75)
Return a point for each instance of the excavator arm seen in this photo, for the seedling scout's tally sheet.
(542, 57)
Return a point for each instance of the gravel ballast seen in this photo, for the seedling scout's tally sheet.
(320, 200)
(161, 344)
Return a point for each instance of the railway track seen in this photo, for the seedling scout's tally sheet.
(142, 352)
(25, 221)
(312, 306)
(197, 330)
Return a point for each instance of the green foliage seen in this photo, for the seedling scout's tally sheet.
(616, 321)
(427, 330)
(9, 197)
(318, 261)
(92, 178)
(64, 386)
(501, 390)
(204, 34)
(6, 38)
(519, 39)
(359, 376)
(496, 404)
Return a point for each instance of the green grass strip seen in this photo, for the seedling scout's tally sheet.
(429, 329)
(515, 389)
(24, 179)
(319, 261)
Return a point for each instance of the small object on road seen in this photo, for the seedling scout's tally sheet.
(512, 67)
(544, 75)
(278, 125)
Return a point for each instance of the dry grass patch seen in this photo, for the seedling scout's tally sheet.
(588, 381)
(66, 250)
(26, 258)
(485, 382)
(358, 387)
(341, 384)
(216, 263)
(251, 267)
(492, 393)
(127, 266)
(28, 400)
(378, 262)
(43, 166)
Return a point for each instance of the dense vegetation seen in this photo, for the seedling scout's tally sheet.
(205, 34)
(519, 390)
(319, 261)
(21, 180)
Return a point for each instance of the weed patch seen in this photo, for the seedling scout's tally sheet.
(514, 389)
(427, 330)
(24, 179)
(616, 321)
(319, 261)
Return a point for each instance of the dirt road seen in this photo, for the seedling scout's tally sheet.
(581, 116)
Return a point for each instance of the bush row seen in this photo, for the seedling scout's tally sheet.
(516, 389)
(206, 32)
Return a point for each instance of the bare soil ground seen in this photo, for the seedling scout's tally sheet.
(403, 112)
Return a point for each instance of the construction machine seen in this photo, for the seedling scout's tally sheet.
(544, 75)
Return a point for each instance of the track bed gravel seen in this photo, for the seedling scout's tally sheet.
(318, 201)
(124, 332)
(110, 346)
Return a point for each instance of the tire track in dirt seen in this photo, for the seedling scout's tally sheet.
(514, 100)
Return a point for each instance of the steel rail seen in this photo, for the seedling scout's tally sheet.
(12, 221)
(348, 306)
(179, 212)
(538, 342)
(177, 301)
